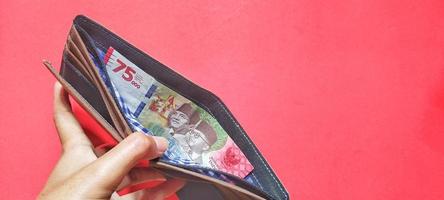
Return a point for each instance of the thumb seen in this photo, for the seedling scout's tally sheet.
(108, 171)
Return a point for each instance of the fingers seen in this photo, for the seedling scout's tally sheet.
(163, 190)
(69, 130)
(109, 170)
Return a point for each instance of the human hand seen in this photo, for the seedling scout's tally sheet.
(79, 174)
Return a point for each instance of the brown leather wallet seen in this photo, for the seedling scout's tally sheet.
(81, 78)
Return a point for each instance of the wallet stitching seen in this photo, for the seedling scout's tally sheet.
(128, 47)
(254, 176)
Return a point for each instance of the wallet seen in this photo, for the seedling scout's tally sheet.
(83, 75)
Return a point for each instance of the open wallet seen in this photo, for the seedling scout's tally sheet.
(126, 91)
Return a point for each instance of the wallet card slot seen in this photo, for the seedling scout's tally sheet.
(113, 109)
(76, 62)
(78, 96)
(78, 80)
(211, 103)
(74, 50)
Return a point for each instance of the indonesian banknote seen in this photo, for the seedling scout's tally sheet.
(194, 135)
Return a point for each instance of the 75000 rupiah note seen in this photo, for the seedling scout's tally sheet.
(195, 136)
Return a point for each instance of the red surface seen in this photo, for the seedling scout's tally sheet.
(344, 98)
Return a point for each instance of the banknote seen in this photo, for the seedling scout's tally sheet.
(195, 136)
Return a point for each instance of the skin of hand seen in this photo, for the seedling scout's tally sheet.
(80, 174)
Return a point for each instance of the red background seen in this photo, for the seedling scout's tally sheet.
(344, 98)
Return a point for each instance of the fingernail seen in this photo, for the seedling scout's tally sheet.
(162, 143)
